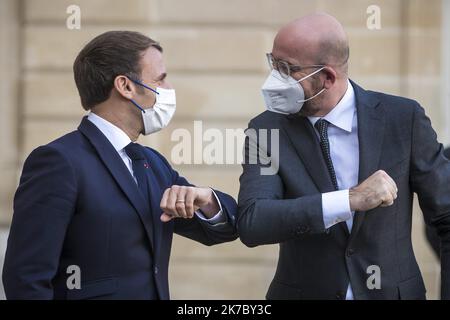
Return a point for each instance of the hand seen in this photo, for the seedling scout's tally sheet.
(183, 201)
(377, 190)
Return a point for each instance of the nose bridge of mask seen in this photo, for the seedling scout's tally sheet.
(165, 96)
(277, 75)
(291, 80)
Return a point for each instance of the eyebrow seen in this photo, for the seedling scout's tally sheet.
(162, 76)
(289, 63)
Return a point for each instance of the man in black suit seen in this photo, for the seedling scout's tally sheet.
(95, 212)
(348, 162)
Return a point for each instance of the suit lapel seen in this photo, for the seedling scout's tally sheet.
(304, 139)
(302, 136)
(371, 122)
(119, 171)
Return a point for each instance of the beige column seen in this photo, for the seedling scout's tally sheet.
(9, 66)
(445, 78)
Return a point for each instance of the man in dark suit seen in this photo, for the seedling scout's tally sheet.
(348, 162)
(95, 212)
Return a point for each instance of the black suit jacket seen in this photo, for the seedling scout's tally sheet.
(394, 135)
(430, 232)
(77, 204)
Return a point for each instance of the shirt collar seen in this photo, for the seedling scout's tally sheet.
(341, 115)
(118, 138)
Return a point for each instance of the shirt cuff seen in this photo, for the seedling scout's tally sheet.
(219, 217)
(335, 207)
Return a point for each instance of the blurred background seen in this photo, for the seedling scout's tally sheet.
(215, 55)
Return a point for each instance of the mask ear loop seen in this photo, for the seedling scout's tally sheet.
(310, 98)
(137, 105)
(309, 75)
(145, 86)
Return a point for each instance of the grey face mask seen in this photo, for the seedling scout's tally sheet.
(285, 96)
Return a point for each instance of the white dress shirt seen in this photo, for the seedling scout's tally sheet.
(119, 140)
(344, 150)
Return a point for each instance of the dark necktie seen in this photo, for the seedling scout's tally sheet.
(322, 127)
(139, 163)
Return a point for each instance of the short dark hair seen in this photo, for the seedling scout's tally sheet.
(105, 57)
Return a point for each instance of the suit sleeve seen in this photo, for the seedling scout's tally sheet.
(201, 230)
(430, 179)
(264, 216)
(43, 206)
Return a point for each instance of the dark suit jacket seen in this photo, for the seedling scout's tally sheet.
(430, 232)
(394, 135)
(77, 204)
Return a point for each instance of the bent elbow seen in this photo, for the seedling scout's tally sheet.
(248, 233)
(248, 241)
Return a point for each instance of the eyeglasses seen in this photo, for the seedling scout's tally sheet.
(286, 69)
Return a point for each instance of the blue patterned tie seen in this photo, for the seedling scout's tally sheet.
(322, 127)
(136, 154)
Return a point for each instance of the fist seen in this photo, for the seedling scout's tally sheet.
(377, 190)
(183, 201)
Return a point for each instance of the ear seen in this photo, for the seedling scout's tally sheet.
(330, 77)
(125, 87)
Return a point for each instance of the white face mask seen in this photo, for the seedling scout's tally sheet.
(285, 96)
(159, 116)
